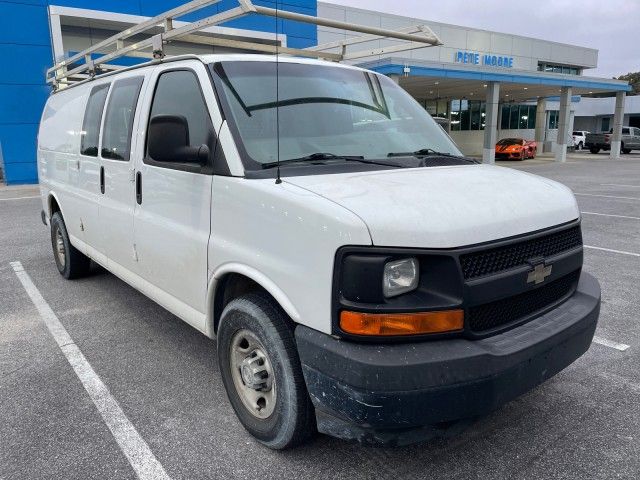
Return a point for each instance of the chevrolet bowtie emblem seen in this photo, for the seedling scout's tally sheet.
(539, 273)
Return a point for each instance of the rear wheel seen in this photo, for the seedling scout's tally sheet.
(580, 145)
(594, 150)
(261, 372)
(70, 261)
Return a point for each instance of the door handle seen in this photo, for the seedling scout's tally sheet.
(101, 179)
(139, 188)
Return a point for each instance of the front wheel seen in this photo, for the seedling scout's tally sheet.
(594, 150)
(261, 372)
(71, 262)
(580, 146)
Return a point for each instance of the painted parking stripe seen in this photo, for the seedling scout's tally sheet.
(608, 343)
(18, 198)
(619, 185)
(610, 215)
(606, 196)
(611, 250)
(140, 456)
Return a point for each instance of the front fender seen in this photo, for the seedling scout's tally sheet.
(261, 279)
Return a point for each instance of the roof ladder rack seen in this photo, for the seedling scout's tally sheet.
(90, 62)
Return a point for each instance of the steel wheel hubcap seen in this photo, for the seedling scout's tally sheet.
(60, 251)
(252, 374)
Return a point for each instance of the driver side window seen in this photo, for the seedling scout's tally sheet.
(178, 94)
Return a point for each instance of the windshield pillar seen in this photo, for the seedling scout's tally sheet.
(491, 123)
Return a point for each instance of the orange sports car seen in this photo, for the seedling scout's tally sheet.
(515, 149)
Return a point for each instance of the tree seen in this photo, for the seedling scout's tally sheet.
(634, 80)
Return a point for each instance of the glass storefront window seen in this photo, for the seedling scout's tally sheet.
(475, 115)
(455, 115)
(464, 115)
(513, 117)
(549, 67)
(441, 108)
(504, 122)
(553, 119)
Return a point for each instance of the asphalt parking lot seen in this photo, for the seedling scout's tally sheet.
(583, 423)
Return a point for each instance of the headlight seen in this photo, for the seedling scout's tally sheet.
(400, 276)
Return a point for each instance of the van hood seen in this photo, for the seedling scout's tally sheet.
(446, 207)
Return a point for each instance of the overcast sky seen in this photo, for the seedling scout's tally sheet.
(611, 26)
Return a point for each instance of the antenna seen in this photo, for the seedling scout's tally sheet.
(278, 179)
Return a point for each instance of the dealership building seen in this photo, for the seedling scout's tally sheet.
(489, 85)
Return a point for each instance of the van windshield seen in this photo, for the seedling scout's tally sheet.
(346, 112)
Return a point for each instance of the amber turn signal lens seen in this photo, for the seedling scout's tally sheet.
(358, 323)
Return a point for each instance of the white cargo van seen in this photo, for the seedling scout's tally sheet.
(362, 278)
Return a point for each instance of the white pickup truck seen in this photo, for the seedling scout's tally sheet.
(362, 277)
(579, 138)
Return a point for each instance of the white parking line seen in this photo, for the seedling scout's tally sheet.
(610, 215)
(608, 343)
(18, 198)
(129, 440)
(622, 252)
(619, 185)
(606, 196)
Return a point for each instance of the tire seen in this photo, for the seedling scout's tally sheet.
(70, 261)
(284, 417)
(580, 145)
(594, 150)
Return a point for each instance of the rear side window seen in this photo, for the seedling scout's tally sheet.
(92, 119)
(118, 123)
(178, 93)
(625, 131)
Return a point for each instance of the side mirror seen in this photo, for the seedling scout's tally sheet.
(168, 141)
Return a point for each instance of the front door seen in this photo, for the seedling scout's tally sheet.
(172, 217)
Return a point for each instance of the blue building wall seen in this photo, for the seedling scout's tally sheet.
(25, 45)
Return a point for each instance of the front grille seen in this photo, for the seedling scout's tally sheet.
(508, 310)
(486, 262)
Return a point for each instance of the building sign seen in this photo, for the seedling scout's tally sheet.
(475, 58)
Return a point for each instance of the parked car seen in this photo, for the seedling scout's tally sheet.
(630, 140)
(515, 149)
(579, 138)
(360, 276)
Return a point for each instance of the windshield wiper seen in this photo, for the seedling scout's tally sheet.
(423, 152)
(308, 159)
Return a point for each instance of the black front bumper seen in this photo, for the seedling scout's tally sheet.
(397, 393)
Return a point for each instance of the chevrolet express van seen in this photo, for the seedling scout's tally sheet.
(362, 277)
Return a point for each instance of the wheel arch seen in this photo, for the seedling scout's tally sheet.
(53, 205)
(231, 280)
